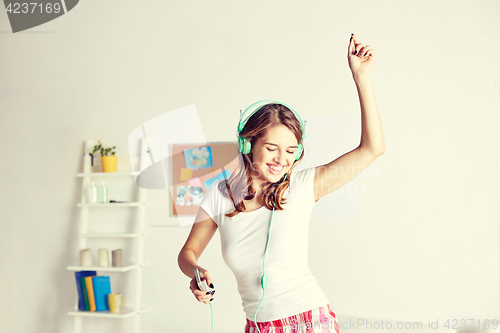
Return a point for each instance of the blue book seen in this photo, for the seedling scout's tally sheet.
(78, 275)
(102, 288)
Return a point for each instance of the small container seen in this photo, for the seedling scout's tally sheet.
(85, 257)
(103, 258)
(92, 193)
(117, 258)
(102, 193)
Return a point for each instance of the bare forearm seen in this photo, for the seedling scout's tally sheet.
(372, 136)
(187, 262)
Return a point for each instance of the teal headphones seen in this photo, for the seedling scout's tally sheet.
(245, 146)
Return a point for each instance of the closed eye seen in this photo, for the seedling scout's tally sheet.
(289, 152)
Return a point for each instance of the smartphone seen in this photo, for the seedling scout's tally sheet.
(202, 285)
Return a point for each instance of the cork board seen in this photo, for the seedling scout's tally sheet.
(224, 157)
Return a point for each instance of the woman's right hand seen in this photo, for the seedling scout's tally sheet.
(202, 296)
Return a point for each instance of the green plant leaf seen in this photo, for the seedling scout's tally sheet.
(104, 151)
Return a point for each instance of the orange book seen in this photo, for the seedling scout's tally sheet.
(90, 291)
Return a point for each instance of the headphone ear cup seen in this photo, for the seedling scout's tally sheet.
(240, 144)
(247, 146)
(299, 151)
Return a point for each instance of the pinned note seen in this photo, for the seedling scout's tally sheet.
(221, 175)
(186, 174)
(194, 182)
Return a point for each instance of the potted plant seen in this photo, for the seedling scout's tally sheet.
(108, 158)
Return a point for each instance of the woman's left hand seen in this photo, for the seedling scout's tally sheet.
(361, 58)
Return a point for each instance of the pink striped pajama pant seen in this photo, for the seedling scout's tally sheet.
(319, 320)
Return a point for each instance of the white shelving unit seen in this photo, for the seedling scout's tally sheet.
(127, 311)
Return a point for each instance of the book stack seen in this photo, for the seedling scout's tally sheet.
(93, 291)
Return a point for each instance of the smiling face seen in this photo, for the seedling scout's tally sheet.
(273, 155)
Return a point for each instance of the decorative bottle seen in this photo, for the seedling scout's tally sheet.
(92, 193)
(102, 192)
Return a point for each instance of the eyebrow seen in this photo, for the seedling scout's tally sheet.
(272, 144)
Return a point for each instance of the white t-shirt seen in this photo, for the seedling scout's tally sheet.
(291, 287)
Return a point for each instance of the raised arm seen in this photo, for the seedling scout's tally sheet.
(335, 174)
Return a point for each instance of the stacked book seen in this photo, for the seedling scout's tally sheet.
(93, 291)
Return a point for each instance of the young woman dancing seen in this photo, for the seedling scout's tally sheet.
(265, 196)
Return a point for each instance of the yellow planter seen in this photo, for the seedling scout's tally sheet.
(109, 163)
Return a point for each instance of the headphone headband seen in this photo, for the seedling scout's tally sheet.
(259, 105)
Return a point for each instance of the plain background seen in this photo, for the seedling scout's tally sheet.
(421, 242)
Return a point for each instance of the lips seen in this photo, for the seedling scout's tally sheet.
(273, 168)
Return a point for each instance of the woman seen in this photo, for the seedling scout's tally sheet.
(265, 195)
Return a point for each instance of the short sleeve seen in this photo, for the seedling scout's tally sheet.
(305, 180)
(209, 201)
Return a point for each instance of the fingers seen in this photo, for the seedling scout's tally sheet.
(358, 49)
(354, 45)
(364, 51)
(202, 296)
(208, 278)
(355, 39)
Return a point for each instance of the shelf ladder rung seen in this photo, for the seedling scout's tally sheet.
(111, 235)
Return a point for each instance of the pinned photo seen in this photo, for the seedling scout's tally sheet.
(189, 196)
(198, 158)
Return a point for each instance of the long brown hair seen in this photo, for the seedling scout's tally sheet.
(239, 185)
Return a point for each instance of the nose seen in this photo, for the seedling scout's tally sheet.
(280, 158)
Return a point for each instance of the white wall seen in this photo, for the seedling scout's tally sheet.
(425, 243)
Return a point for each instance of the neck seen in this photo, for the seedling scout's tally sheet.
(257, 188)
